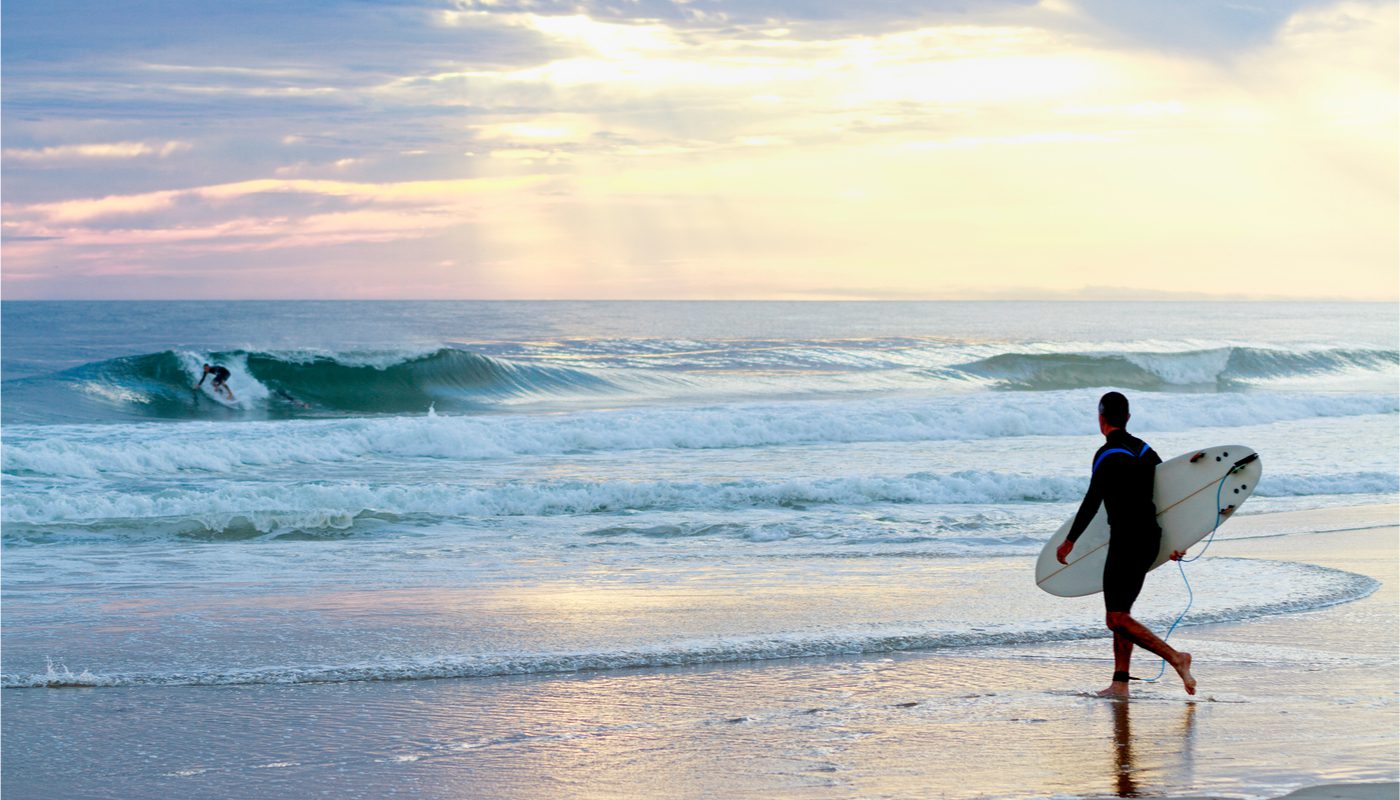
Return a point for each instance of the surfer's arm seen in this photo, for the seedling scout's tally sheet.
(201, 380)
(1087, 509)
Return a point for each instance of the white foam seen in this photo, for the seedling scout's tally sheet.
(1184, 369)
(378, 359)
(163, 449)
(281, 506)
(1337, 484)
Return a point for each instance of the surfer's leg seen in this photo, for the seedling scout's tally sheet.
(1120, 588)
(1122, 624)
(1122, 658)
(1124, 573)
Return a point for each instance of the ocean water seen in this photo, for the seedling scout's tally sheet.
(403, 491)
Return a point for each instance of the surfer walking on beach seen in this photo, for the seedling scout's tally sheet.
(220, 382)
(1122, 481)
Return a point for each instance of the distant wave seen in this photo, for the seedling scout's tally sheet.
(293, 384)
(288, 384)
(1308, 587)
(242, 511)
(1217, 368)
(93, 451)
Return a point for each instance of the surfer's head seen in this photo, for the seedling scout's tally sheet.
(207, 368)
(1113, 410)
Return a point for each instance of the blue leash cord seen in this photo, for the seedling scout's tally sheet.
(1190, 595)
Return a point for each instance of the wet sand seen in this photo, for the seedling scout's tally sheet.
(1294, 701)
(1353, 791)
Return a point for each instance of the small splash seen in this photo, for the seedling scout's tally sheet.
(57, 675)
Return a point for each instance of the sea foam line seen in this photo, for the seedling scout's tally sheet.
(1329, 587)
(336, 505)
(149, 449)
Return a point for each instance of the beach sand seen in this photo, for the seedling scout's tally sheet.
(1306, 701)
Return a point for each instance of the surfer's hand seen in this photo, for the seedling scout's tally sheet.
(1177, 555)
(1062, 552)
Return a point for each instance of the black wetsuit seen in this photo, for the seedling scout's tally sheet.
(220, 376)
(1122, 480)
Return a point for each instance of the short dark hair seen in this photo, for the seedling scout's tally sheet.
(1114, 408)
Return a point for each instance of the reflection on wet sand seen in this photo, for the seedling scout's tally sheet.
(1127, 769)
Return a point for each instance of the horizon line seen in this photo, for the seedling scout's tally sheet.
(1211, 299)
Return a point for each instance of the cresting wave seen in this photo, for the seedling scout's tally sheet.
(1216, 368)
(158, 385)
(297, 384)
(244, 511)
(1315, 587)
(92, 451)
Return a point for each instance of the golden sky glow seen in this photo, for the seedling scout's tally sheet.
(1037, 152)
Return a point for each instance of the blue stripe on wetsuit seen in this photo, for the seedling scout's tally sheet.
(1107, 453)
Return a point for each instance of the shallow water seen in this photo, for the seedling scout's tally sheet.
(545, 492)
(416, 490)
(1287, 700)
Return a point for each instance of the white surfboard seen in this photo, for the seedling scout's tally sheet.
(213, 394)
(1185, 492)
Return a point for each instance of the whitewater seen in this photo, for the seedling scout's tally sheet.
(466, 490)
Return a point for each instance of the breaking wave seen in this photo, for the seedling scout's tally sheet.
(1217, 368)
(241, 511)
(455, 379)
(91, 451)
(159, 385)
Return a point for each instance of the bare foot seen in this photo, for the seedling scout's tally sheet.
(1117, 690)
(1183, 668)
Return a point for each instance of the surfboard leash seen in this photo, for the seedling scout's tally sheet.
(1181, 566)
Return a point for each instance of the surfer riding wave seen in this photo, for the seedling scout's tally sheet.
(220, 382)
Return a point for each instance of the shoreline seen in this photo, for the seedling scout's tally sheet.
(1301, 702)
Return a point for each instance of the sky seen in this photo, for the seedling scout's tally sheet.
(698, 149)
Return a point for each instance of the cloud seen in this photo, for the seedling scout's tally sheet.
(719, 148)
(267, 214)
(732, 14)
(1209, 28)
(104, 151)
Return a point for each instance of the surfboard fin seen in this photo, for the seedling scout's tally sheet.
(1239, 465)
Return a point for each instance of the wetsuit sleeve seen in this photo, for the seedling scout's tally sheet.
(1087, 509)
(201, 379)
